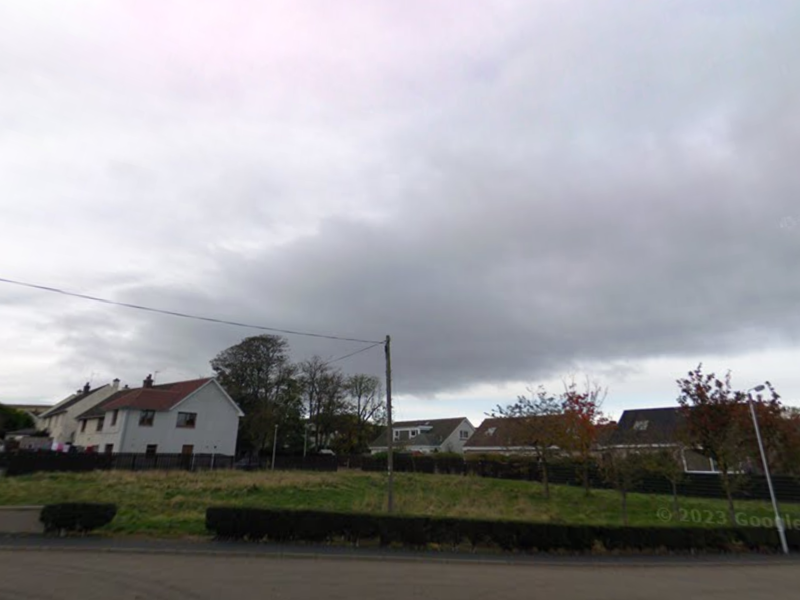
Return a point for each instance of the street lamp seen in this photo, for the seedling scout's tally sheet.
(778, 520)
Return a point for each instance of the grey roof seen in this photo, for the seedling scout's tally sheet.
(440, 430)
(62, 406)
(498, 432)
(655, 426)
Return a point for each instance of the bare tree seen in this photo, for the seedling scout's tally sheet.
(623, 468)
(536, 421)
(324, 391)
(668, 462)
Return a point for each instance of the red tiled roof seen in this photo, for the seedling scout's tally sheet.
(159, 397)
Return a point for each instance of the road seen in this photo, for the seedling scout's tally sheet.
(61, 574)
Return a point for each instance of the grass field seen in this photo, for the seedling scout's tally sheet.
(174, 503)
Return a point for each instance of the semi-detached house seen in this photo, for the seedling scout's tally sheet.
(188, 417)
(61, 420)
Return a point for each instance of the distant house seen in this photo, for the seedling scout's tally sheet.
(27, 439)
(498, 435)
(513, 435)
(644, 429)
(185, 417)
(426, 436)
(61, 420)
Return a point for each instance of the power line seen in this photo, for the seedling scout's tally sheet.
(356, 352)
(189, 316)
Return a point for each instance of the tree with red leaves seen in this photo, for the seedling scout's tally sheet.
(719, 425)
(583, 417)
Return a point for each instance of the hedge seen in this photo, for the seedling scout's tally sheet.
(420, 532)
(76, 516)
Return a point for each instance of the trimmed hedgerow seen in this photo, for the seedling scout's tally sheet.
(76, 516)
(512, 536)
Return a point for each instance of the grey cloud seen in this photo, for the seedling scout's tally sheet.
(601, 186)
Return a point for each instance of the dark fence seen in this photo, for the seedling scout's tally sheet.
(355, 461)
(699, 485)
(24, 463)
(291, 463)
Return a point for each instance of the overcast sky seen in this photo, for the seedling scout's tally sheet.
(514, 190)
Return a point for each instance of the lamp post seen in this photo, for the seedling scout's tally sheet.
(778, 520)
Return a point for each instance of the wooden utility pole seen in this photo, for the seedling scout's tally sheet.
(389, 433)
(274, 446)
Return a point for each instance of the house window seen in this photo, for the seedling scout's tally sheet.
(490, 431)
(412, 433)
(100, 424)
(109, 448)
(151, 450)
(187, 449)
(146, 418)
(83, 425)
(396, 435)
(464, 435)
(114, 416)
(186, 420)
(640, 425)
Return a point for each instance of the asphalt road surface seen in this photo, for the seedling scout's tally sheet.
(66, 575)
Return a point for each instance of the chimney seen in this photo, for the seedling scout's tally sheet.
(115, 383)
(148, 382)
(87, 388)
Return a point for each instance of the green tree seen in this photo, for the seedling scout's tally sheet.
(259, 376)
(12, 419)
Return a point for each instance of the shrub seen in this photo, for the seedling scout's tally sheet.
(76, 516)
(511, 536)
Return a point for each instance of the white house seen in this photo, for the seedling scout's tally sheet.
(61, 420)
(187, 417)
(426, 436)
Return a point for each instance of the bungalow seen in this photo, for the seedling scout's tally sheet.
(644, 429)
(426, 436)
(499, 435)
(185, 417)
(517, 435)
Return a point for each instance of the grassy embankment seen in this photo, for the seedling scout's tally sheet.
(174, 503)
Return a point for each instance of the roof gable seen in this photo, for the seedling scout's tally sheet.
(648, 426)
(440, 430)
(497, 432)
(69, 402)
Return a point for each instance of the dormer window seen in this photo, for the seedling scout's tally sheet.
(412, 433)
(640, 425)
(490, 431)
(395, 435)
